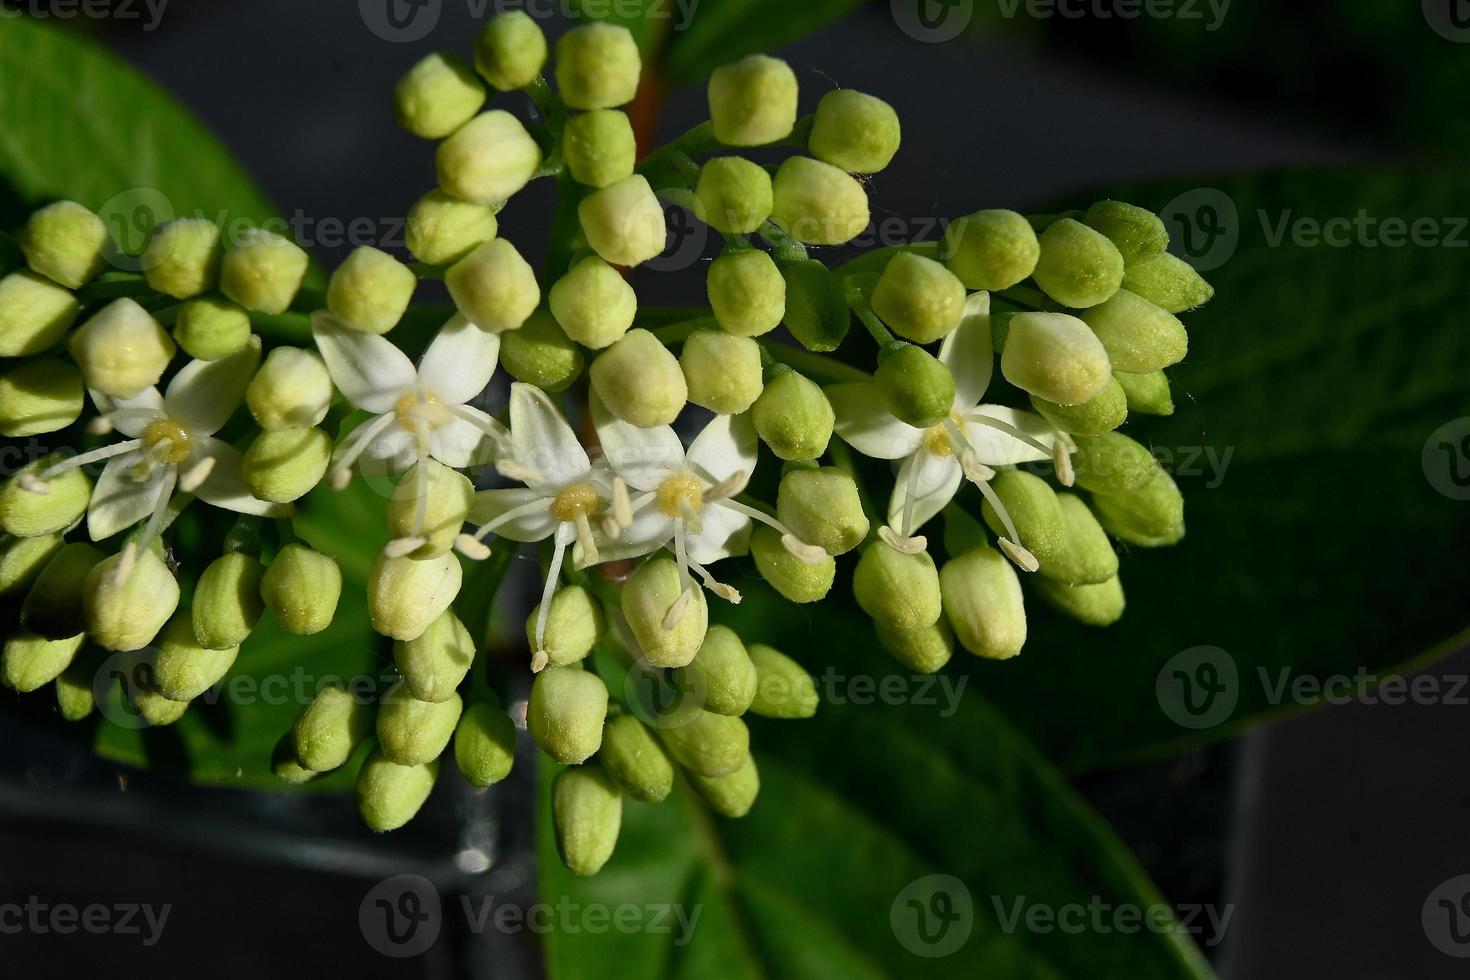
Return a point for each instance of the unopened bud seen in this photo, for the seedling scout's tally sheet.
(1078, 267)
(441, 229)
(722, 371)
(783, 688)
(597, 66)
(285, 465)
(624, 222)
(822, 507)
(734, 195)
(286, 767)
(541, 354)
(75, 699)
(916, 386)
(438, 517)
(565, 714)
(731, 795)
(593, 303)
(1091, 605)
(122, 349)
(29, 662)
(1086, 556)
(390, 795)
(983, 603)
(793, 417)
(488, 160)
(722, 676)
(924, 650)
(330, 728)
(753, 101)
(27, 514)
(816, 307)
(1138, 336)
(1147, 394)
(573, 626)
(126, 612)
(183, 258)
(1169, 283)
(918, 298)
(639, 381)
(211, 327)
(900, 591)
(1138, 234)
(855, 132)
(635, 760)
(371, 290)
(292, 389)
(182, 669)
(747, 292)
(707, 743)
(600, 147)
(1112, 463)
(494, 287)
(301, 587)
(1103, 412)
(794, 579)
(511, 51)
(40, 395)
(1056, 357)
(1033, 508)
(263, 271)
(227, 602)
(434, 665)
(648, 597)
(1151, 517)
(156, 710)
(23, 559)
(66, 243)
(437, 96)
(588, 812)
(53, 609)
(484, 745)
(991, 250)
(34, 313)
(412, 732)
(405, 595)
(818, 204)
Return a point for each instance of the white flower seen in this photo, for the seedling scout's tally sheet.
(966, 445)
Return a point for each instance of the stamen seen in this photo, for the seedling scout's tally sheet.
(100, 426)
(82, 459)
(197, 474)
(975, 471)
(730, 486)
(1008, 543)
(421, 483)
(401, 547)
(356, 445)
(586, 542)
(901, 543)
(729, 593)
(809, 554)
(681, 552)
(339, 478)
(1025, 559)
(691, 516)
(540, 660)
(679, 608)
(1062, 460)
(611, 528)
(125, 563)
(910, 492)
(511, 515)
(622, 508)
(31, 483)
(499, 433)
(512, 470)
(546, 592)
(1009, 430)
(471, 547)
(152, 529)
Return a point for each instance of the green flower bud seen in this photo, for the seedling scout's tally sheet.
(122, 349)
(1086, 556)
(731, 795)
(784, 689)
(1078, 267)
(1056, 357)
(916, 386)
(28, 662)
(442, 229)
(301, 587)
(437, 96)
(594, 304)
(818, 204)
(412, 732)
(639, 381)
(26, 514)
(574, 624)
(707, 743)
(734, 195)
(371, 291)
(597, 66)
(1138, 234)
(38, 396)
(155, 709)
(600, 147)
(1103, 412)
(753, 101)
(182, 669)
(488, 160)
(624, 222)
(793, 417)
(330, 728)
(1112, 463)
(793, 578)
(23, 559)
(722, 371)
(924, 651)
(822, 507)
(390, 795)
(125, 612)
(285, 465)
(227, 602)
(900, 591)
(991, 249)
(1169, 283)
(540, 353)
(565, 714)
(1091, 605)
(74, 697)
(722, 676)
(983, 603)
(1147, 394)
(494, 286)
(183, 257)
(66, 243)
(511, 51)
(484, 745)
(434, 665)
(588, 812)
(668, 627)
(635, 761)
(291, 390)
(449, 495)
(54, 606)
(918, 298)
(406, 595)
(1034, 510)
(747, 292)
(856, 132)
(816, 307)
(34, 314)
(263, 271)
(286, 766)
(1151, 517)
(1138, 336)
(212, 327)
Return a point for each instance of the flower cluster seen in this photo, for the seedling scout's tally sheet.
(1031, 477)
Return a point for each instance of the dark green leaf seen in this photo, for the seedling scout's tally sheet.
(723, 31)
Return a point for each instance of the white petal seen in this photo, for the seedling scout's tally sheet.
(204, 395)
(459, 443)
(369, 370)
(543, 442)
(136, 413)
(727, 446)
(537, 525)
(226, 487)
(996, 448)
(393, 450)
(644, 458)
(723, 533)
(651, 530)
(458, 364)
(118, 500)
(936, 482)
(968, 353)
(867, 426)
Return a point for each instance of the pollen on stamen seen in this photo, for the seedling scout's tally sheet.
(727, 592)
(808, 553)
(975, 471)
(402, 547)
(512, 470)
(197, 474)
(622, 509)
(901, 544)
(339, 478)
(31, 483)
(540, 660)
(1023, 558)
(471, 547)
(1062, 460)
(730, 486)
(125, 563)
(676, 612)
(100, 426)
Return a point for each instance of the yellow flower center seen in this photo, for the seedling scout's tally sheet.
(575, 500)
(168, 440)
(937, 440)
(681, 491)
(413, 410)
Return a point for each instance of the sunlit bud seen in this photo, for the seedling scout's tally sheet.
(54, 607)
(1033, 509)
(916, 386)
(511, 51)
(593, 303)
(573, 627)
(371, 290)
(26, 514)
(991, 249)
(430, 504)
(1056, 357)
(1138, 336)
(565, 714)
(1092, 605)
(649, 596)
(34, 313)
(488, 160)
(1103, 412)
(822, 507)
(125, 612)
(855, 132)
(635, 760)
(1112, 463)
(182, 669)
(722, 676)
(783, 687)
(1137, 233)
(597, 66)
(540, 353)
(405, 595)
(30, 662)
(1169, 283)
(731, 795)
(1086, 556)
(818, 204)
(412, 732)
(441, 229)
(1151, 517)
(918, 298)
(285, 465)
(330, 728)
(753, 101)
(624, 222)
(983, 603)
(793, 417)
(722, 371)
(66, 243)
(75, 699)
(390, 795)
(639, 381)
(600, 147)
(292, 389)
(122, 349)
(437, 96)
(38, 396)
(1147, 394)
(900, 591)
(734, 195)
(434, 665)
(301, 587)
(794, 579)
(924, 650)
(494, 286)
(284, 764)
(707, 743)
(183, 258)
(816, 306)
(484, 745)
(747, 292)
(227, 602)
(23, 559)
(1078, 267)
(211, 327)
(263, 271)
(588, 812)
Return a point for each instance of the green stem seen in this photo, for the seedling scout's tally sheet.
(857, 300)
(788, 250)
